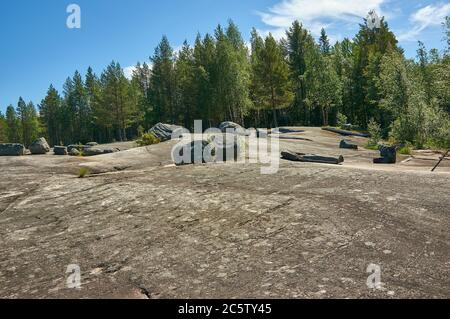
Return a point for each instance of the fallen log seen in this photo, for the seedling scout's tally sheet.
(348, 145)
(311, 158)
(344, 132)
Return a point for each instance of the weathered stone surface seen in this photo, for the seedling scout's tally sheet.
(311, 158)
(39, 146)
(164, 131)
(60, 150)
(12, 149)
(388, 155)
(223, 231)
(348, 145)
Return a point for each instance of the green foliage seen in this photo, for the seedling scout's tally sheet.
(83, 172)
(148, 139)
(374, 130)
(296, 80)
(341, 120)
(405, 150)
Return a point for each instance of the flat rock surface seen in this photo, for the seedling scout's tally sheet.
(139, 227)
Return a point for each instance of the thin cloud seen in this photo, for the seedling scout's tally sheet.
(426, 17)
(318, 14)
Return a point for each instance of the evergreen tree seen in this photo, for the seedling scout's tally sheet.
(162, 83)
(273, 73)
(50, 112)
(324, 43)
(3, 129)
(13, 125)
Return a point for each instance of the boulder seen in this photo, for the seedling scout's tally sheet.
(227, 147)
(164, 131)
(74, 152)
(110, 150)
(200, 151)
(12, 149)
(231, 127)
(79, 148)
(388, 155)
(39, 146)
(92, 151)
(92, 144)
(261, 133)
(348, 145)
(60, 150)
(311, 158)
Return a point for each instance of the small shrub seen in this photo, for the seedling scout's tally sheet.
(148, 139)
(83, 172)
(341, 120)
(405, 150)
(374, 130)
(373, 147)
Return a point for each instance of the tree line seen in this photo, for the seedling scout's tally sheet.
(366, 81)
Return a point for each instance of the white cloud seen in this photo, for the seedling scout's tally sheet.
(429, 16)
(317, 14)
(128, 71)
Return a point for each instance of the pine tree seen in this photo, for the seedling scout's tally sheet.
(50, 112)
(273, 73)
(299, 45)
(324, 43)
(13, 125)
(3, 129)
(162, 83)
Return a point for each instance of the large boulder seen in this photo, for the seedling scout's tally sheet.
(79, 148)
(39, 146)
(231, 127)
(90, 144)
(60, 150)
(195, 152)
(12, 149)
(74, 152)
(348, 145)
(227, 147)
(164, 131)
(388, 155)
(92, 151)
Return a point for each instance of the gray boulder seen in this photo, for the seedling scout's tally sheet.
(311, 158)
(39, 146)
(12, 149)
(60, 150)
(388, 155)
(164, 131)
(79, 148)
(348, 145)
(196, 152)
(74, 152)
(91, 151)
(90, 144)
(110, 150)
(231, 127)
(227, 147)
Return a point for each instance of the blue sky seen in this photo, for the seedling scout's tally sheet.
(37, 48)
